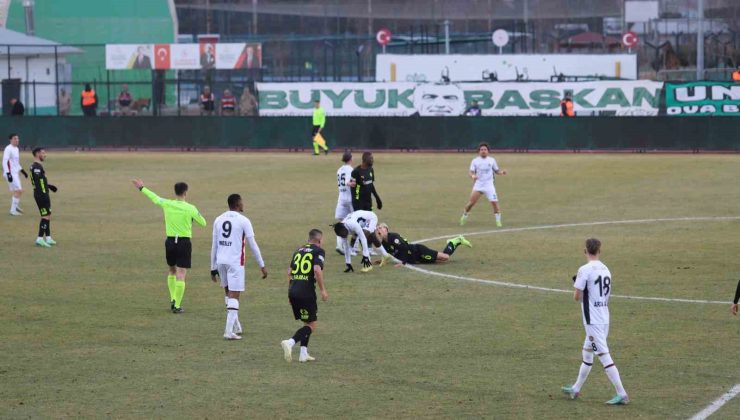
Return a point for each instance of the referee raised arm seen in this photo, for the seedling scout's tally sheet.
(178, 219)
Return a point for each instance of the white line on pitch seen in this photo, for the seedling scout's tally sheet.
(716, 404)
(547, 289)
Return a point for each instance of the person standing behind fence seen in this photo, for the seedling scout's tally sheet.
(319, 119)
(207, 101)
(65, 102)
(17, 109)
(124, 100)
(228, 104)
(89, 101)
(247, 103)
(566, 106)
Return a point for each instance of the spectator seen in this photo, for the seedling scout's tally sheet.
(65, 102)
(228, 104)
(736, 75)
(89, 101)
(207, 101)
(17, 108)
(124, 100)
(566, 106)
(473, 110)
(247, 103)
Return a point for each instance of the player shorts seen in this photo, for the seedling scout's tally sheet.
(423, 254)
(304, 309)
(16, 184)
(343, 209)
(44, 204)
(489, 191)
(596, 338)
(232, 276)
(177, 251)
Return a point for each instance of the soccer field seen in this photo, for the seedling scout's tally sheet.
(87, 330)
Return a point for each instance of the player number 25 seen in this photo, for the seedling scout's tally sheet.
(304, 264)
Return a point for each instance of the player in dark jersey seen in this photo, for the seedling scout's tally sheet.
(305, 271)
(41, 189)
(363, 177)
(408, 253)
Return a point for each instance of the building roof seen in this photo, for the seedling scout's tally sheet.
(22, 44)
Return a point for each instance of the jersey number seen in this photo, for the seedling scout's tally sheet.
(303, 265)
(604, 285)
(341, 180)
(226, 229)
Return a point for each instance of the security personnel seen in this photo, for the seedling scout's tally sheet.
(736, 75)
(566, 106)
(88, 101)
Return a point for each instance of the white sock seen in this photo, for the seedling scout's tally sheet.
(465, 214)
(39, 238)
(237, 325)
(232, 313)
(48, 238)
(339, 243)
(14, 204)
(304, 351)
(226, 300)
(291, 342)
(613, 374)
(498, 216)
(588, 357)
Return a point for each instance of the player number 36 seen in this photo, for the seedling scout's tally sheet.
(304, 264)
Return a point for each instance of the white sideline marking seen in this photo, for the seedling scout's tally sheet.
(716, 404)
(547, 289)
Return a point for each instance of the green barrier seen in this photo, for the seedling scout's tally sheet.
(644, 133)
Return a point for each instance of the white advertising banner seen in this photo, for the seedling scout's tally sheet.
(506, 67)
(640, 98)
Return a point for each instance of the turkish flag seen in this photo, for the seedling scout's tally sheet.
(162, 56)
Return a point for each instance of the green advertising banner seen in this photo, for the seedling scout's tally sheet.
(702, 99)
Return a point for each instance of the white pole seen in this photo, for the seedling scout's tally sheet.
(447, 36)
(700, 43)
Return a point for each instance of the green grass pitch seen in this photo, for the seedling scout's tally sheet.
(86, 331)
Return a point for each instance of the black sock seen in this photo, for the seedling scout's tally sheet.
(301, 334)
(42, 228)
(304, 342)
(450, 248)
(48, 227)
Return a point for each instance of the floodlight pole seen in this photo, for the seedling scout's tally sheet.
(700, 42)
(446, 23)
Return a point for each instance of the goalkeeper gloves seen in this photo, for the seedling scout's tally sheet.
(366, 265)
(23, 171)
(349, 269)
(574, 279)
(380, 203)
(52, 188)
(9, 176)
(214, 272)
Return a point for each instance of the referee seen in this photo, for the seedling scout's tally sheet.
(318, 120)
(178, 220)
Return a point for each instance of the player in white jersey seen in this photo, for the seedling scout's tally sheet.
(231, 231)
(593, 284)
(361, 224)
(483, 170)
(344, 201)
(11, 170)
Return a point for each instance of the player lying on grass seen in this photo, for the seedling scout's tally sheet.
(408, 253)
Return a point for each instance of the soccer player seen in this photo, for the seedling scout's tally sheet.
(482, 170)
(230, 230)
(41, 189)
(362, 225)
(305, 271)
(178, 219)
(733, 307)
(364, 178)
(593, 283)
(319, 119)
(408, 253)
(344, 202)
(11, 169)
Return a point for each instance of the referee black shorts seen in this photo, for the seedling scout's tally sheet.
(315, 130)
(177, 251)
